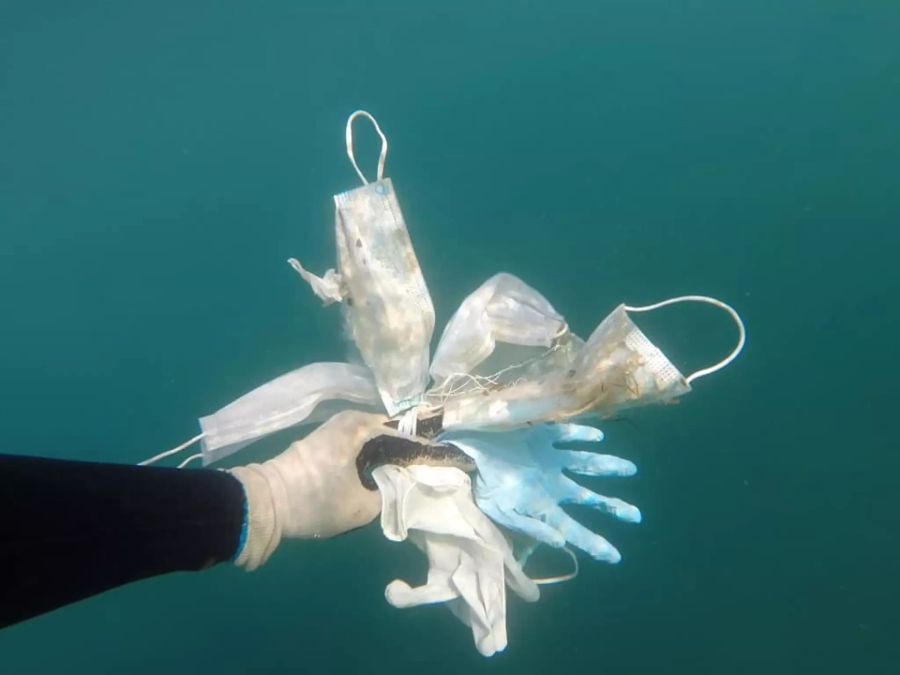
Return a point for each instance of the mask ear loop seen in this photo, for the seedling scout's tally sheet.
(190, 459)
(545, 581)
(742, 333)
(384, 145)
(173, 451)
(408, 422)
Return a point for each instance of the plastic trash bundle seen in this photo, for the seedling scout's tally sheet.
(502, 419)
(507, 379)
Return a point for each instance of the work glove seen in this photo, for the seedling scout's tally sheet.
(310, 491)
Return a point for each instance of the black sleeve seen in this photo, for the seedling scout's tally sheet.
(69, 530)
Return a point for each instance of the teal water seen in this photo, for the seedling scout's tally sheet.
(160, 161)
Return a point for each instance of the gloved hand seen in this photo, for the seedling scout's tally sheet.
(311, 490)
(520, 482)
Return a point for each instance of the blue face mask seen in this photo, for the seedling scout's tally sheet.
(520, 482)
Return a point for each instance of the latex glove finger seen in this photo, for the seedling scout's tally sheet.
(575, 433)
(401, 594)
(527, 525)
(573, 493)
(520, 482)
(484, 594)
(592, 464)
(477, 594)
(579, 536)
(485, 642)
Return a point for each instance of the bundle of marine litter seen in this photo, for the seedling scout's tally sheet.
(506, 384)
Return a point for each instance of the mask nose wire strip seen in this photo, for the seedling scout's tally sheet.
(742, 333)
(173, 451)
(384, 145)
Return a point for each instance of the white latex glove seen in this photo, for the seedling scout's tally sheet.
(470, 563)
(311, 490)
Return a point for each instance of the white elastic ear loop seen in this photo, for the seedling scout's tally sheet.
(742, 333)
(408, 422)
(546, 581)
(384, 145)
(190, 459)
(173, 451)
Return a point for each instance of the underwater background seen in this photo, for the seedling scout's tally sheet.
(160, 161)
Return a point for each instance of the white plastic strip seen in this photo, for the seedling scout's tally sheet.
(409, 422)
(544, 581)
(173, 451)
(190, 459)
(742, 333)
(384, 145)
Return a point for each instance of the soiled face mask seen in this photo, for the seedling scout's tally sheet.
(307, 395)
(616, 368)
(505, 310)
(388, 313)
(387, 307)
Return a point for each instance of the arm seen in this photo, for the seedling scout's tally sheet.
(74, 529)
(70, 530)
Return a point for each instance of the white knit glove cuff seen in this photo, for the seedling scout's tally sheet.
(263, 531)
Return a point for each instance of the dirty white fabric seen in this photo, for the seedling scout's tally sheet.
(616, 368)
(503, 309)
(387, 307)
(307, 395)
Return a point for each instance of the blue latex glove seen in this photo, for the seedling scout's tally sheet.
(520, 482)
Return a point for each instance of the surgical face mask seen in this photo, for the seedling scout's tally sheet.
(617, 368)
(504, 332)
(308, 395)
(388, 313)
(387, 307)
(504, 309)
